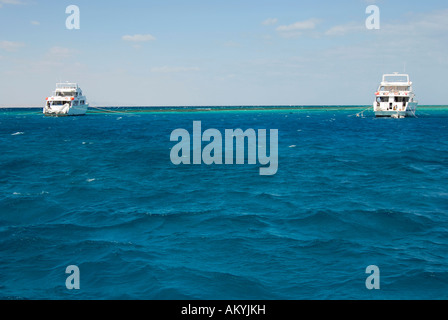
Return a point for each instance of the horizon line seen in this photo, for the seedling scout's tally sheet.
(225, 106)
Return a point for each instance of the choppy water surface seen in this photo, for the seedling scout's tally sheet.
(100, 192)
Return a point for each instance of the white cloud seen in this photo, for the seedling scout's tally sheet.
(429, 24)
(36, 23)
(433, 24)
(342, 30)
(60, 53)
(2, 2)
(270, 21)
(11, 45)
(167, 69)
(299, 26)
(139, 38)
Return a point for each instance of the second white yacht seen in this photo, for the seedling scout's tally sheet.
(67, 100)
(395, 97)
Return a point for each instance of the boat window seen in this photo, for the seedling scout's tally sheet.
(65, 94)
(58, 103)
(401, 99)
(397, 88)
(396, 78)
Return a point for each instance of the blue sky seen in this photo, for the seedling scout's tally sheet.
(210, 52)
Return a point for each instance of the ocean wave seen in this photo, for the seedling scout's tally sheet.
(140, 227)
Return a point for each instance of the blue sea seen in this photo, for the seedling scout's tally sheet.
(100, 192)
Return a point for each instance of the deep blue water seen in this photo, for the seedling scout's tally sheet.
(100, 192)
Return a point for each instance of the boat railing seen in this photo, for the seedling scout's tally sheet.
(396, 78)
(66, 86)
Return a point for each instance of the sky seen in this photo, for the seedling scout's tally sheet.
(214, 52)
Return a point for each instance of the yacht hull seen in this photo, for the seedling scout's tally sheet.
(65, 110)
(409, 112)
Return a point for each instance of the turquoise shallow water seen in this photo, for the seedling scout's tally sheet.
(100, 192)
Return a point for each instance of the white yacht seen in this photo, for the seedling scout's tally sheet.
(67, 100)
(395, 97)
